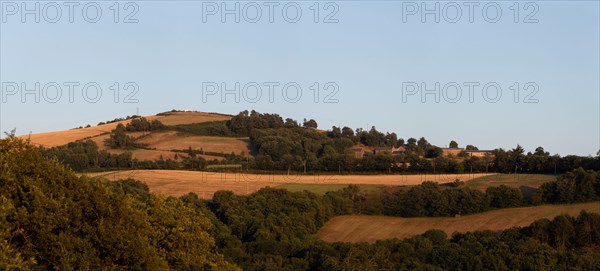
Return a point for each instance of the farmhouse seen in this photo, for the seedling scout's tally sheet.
(359, 152)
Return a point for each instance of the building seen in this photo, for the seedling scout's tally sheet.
(398, 151)
(479, 153)
(359, 152)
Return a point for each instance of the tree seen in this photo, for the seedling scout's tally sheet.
(516, 157)
(433, 152)
(453, 144)
(310, 124)
(335, 132)
(471, 148)
(13, 132)
(290, 123)
(540, 151)
(347, 132)
(422, 143)
(504, 197)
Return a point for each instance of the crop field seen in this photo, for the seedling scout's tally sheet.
(357, 228)
(181, 182)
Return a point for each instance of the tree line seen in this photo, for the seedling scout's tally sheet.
(432, 199)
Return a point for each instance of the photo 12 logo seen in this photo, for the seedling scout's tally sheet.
(270, 12)
(470, 12)
(254, 92)
(54, 92)
(69, 12)
(454, 92)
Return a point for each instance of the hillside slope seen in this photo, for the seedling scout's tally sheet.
(58, 138)
(357, 228)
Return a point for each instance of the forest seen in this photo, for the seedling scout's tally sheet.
(51, 218)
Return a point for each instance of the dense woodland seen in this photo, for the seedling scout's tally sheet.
(52, 219)
(286, 145)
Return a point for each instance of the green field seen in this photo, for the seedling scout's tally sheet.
(321, 189)
(510, 180)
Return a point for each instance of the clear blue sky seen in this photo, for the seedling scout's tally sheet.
(368, 53)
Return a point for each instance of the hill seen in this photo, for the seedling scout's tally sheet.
(159, 144)
(360, 228)
(58, 138)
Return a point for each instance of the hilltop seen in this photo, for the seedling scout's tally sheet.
(158, 144)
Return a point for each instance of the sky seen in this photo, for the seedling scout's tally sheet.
(528, 73)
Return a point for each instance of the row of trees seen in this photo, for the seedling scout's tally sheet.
(143, 125)
(85, 156)
(576, 186)
(431, 199)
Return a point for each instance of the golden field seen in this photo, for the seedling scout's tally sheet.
(181, 182)
(362, 228)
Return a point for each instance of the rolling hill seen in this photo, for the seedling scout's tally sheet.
(53, 139)
(160, 144)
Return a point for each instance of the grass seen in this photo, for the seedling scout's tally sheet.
(357, 228)
(321, 189)
(510, 180)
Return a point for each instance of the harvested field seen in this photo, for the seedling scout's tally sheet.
(180, 182)
(357, 228)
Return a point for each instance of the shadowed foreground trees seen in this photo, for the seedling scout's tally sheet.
(55, 220)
